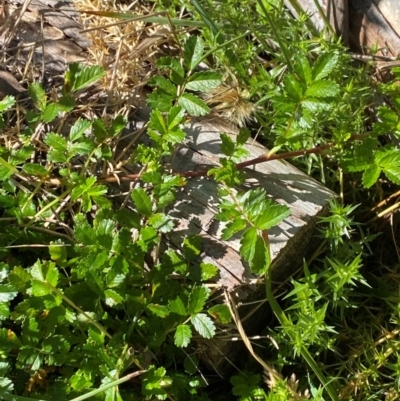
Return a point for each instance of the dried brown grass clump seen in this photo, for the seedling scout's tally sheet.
(128, 50)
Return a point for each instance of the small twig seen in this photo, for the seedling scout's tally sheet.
(267, 157)
(385, 201)
(262, 159)
(367, 57)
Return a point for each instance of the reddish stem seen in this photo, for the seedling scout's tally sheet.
(239, 166)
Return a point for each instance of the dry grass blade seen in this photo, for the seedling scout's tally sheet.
(272, 374)
(13, 22)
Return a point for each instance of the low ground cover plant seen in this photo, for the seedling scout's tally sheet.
(95, 305)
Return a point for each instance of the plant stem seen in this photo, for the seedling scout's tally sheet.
(77, 308)
(219, 37)
(107, 386)
(282, 45)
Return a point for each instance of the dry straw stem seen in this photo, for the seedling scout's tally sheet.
(270, 372)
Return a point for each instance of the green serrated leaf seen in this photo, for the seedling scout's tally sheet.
(19, 278)
(197, 299)
(371, 175)
(388, 157)
(175, 117)
(40, 288)
(292, 88)
(83, 187)
(172, 64)
(38, 95)
(7, 103)
(99, 129)
(208, 271)
(50, 112)
(192, 247)
(324, 65)
(203, 81)
(175, 136)
(35, 170)
(66, 103)
(177, 306)
(112, 297)
(128, 218)
(45, 272)
(161, 222)
(117, 125)
(142, 202)
(233, 227)
(78, 129)
(148, 238)
(313, 104)
(173, 261)
(227, 145)
(105, 233)
(160, 102)
(221, 313)
(157, 122)
(7, 292)
(159, 310)
(302, 68)
(203, 325)
(183, 335)
(56, 141)
(193, 105)
(87, 76)
(393, 173)
(193, 52)
(254, 251)
(244, 135)
(323, 89)
(58, 253)
(247, 386)
(153, 383)
(84, 232)
(271, 216)
(165, 84)
(79, 148)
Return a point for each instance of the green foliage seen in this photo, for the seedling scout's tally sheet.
(107, 297)
(247, 387)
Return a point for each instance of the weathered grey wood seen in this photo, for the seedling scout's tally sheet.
(370, 29)
(390, 9)
(282, 182)
(62, 42)
(336, 12)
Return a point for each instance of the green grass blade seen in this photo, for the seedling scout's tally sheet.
(219, 37)
(107, 386)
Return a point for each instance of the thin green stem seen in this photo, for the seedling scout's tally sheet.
(106, 386)
(219, 37)
(325, 18)
(277, 36)
(299, 10)
(49, 206)
(210, 52)
(76, 307)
